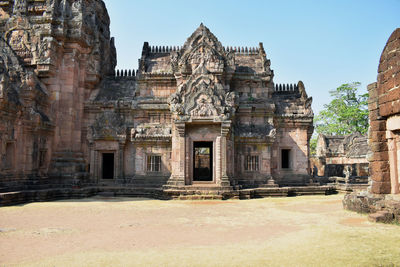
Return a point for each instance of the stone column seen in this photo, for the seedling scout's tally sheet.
(224, 179)
(393, 161)
(218, 160)
(97, 165)
(178, 142)
(92, 162)
(120, 169)
(398, 161)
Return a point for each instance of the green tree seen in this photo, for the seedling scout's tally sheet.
(313, 146)
(347, 113)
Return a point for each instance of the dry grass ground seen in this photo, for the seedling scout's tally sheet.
(301, 231)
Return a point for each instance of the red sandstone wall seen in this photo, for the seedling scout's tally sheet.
(384, 101)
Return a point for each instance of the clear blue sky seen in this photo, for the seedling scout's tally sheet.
(323, 43)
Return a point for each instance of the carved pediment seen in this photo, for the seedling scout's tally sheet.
(202, 51)
(203, 92)
(203, 98)
(108, 126)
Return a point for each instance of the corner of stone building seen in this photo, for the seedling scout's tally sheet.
(382, 199)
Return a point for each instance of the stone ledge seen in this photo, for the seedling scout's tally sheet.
(52, 194)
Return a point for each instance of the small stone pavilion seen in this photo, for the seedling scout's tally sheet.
(335, 154)
(201, 114)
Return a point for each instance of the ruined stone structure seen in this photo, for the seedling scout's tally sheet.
(383, 197)
(201, 114)
(334, 153)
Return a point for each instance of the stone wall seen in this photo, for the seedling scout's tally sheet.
(67, 45)
(384, 103)
(382, 198)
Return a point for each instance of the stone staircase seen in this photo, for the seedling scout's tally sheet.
(148, 181)
(201, 192)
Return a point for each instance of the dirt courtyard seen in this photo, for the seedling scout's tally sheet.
(99, 231)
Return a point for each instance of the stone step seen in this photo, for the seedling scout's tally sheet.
(201, 197)
(205, 188)
(106, 194)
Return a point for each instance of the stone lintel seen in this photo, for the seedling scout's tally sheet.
(393, 123)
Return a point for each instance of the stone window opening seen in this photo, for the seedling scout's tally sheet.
(251, 163)
(153, 163)
(285, 158)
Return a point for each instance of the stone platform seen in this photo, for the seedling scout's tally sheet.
(52, 194)
(347, 188)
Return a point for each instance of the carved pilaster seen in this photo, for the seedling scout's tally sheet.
(120, 170)
(393, 161)
(92, 160)
(178, 143)
(180, 127)
(225, 127)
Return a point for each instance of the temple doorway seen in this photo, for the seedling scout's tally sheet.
(108, 166)
(202, 161)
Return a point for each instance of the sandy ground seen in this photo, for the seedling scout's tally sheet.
(300, 231)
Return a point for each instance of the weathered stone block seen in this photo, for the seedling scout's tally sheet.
(378, 146)
(380, 187)
(377, 125)
(378, 156)
(379, 176)
(379, 167)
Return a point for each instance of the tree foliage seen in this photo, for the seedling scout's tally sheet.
(313, 146)
(347, 113)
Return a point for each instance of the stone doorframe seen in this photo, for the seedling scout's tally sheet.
(393, 138)
(191, 147)
(183, 175)
(97, 148)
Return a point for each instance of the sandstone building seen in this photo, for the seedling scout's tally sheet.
(382, 198)
(334, 153)
(199, 114)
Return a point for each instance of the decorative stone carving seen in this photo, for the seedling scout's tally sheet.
(347, 173)
(108, 126)
(201, 93)
(255, 131)
(151, 130)
(20, 41)
(3, 78)
(20, 7)
(202, 50)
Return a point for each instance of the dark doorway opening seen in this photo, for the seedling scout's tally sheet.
(202, 161)
(108, 166)
(285, 158)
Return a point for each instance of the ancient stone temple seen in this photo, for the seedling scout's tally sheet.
(198, 114)
(383, 196)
